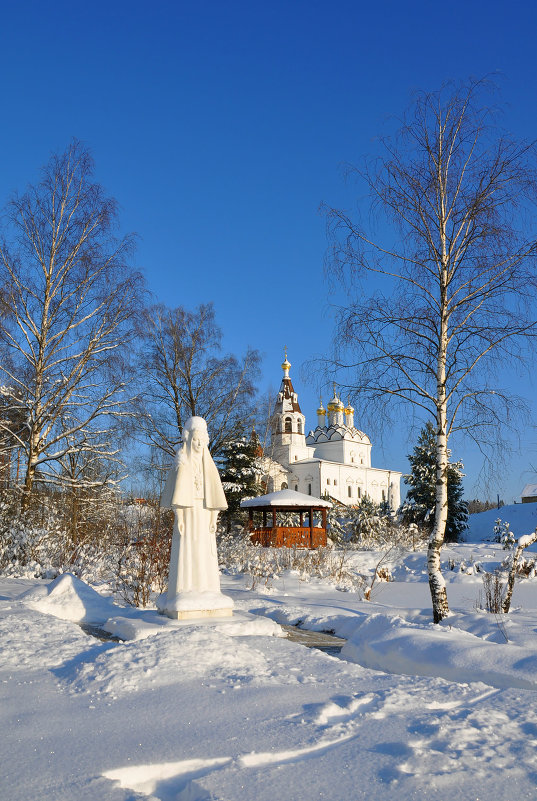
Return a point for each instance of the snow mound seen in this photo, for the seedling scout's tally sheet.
(69, 598)
(29, 639)
(394, 645)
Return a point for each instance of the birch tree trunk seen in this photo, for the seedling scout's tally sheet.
(437, 584)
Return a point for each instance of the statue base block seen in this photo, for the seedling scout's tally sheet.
(190, 605)
(190, 614)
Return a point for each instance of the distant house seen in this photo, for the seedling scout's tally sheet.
(529, 493)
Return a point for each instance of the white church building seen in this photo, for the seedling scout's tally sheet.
(334, 459)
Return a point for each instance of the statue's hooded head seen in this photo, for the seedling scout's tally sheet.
(195, 435)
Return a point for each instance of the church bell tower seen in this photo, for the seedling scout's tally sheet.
(288, 438)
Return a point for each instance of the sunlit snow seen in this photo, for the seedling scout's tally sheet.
(233, 711)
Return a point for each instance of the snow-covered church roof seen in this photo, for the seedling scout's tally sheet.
(337, 432)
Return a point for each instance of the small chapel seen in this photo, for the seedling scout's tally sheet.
(333, 460)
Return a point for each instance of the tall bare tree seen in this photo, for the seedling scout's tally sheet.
(69, 304)
(457, 291)
(187, 375)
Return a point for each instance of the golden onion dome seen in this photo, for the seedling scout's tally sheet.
(335, 404)
(349, 409)
(321, 410)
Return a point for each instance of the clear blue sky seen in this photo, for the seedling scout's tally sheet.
(221, 126)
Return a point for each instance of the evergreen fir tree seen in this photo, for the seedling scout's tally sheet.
(419, 505)
(238, 475)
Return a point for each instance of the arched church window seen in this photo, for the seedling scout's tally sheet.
(288, 425)
(309, 489)
(296, 487)
(349, 491)
(284, 485)
(299, 426)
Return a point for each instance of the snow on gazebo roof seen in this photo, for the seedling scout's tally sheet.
(529, 491)
(286, 497)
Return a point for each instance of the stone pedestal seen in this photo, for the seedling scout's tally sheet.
(190, 605)
(191, 614)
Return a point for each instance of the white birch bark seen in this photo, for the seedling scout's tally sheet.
(523, 542)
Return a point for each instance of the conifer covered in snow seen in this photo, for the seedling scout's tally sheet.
(419, 506)
(238, 473)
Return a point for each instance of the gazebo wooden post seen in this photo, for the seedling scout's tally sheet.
(323, 512)
(264, 518)
(311, 527)
(301, 519)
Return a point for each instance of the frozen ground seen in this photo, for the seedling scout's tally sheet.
(231, 711)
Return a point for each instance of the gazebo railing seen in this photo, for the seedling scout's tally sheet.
(289, 537)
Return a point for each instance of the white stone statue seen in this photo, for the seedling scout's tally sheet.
(194, 490)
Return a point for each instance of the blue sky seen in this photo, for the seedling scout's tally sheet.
(220, 127)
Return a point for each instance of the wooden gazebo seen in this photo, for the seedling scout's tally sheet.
(273, 531)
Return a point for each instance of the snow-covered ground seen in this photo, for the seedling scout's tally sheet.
(232, 711)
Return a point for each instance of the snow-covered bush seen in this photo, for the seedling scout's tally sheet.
(143, 543)
(238, 555)
(29, 546)
(371, 526)
(494, 589)
(126, 546)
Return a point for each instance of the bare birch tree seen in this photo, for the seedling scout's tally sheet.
(457, 291)
(69, 304)
(187, 375)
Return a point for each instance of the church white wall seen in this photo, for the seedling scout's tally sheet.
(350, 484)
(305, 476)
(274, 475)
(344, 451)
